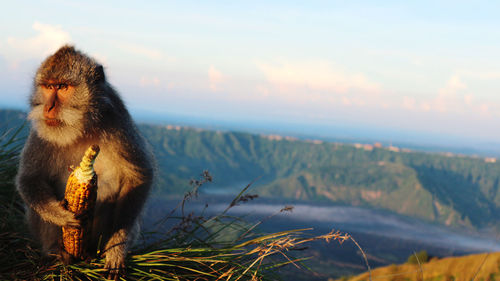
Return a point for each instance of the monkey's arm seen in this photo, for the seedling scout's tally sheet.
(35, 190)
(36, 194)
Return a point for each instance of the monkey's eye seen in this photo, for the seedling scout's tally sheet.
(61, 86)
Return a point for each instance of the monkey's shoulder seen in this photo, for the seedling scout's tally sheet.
(126, 159)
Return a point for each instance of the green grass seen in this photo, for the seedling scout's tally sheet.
(17, 251)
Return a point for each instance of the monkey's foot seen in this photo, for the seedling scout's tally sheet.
(114, 269)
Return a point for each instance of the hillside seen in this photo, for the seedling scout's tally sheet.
(10, 118)
(447, 189)
(452, 190)
(453, 268)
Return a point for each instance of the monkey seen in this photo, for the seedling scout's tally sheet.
(72, 106)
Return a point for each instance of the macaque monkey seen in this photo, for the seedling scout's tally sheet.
(72, 107)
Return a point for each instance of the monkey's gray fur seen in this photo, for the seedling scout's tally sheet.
(93, 114)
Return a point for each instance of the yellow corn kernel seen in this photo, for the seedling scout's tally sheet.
(80, 195)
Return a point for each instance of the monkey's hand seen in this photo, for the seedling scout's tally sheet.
(114, 266)
(83, 216)
(57, 214)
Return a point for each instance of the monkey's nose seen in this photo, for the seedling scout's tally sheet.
(52, 106)
(51, 102)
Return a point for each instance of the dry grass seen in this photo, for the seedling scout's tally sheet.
(195, 248)
(484, 267)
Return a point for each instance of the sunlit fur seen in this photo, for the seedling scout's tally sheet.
(69, 131)
(93, 113)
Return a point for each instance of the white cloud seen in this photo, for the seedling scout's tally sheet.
(484, 108)
(262, 90)
(346, 101)
(454, 97)
(425, 106)
(47, 40)
(315, 75)
(146, 81)
(480, 74)
(215, 78)
(448, 98)
(409, 103)
(455, 84)
(468, 99)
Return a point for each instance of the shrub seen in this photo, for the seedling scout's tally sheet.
(420, 257)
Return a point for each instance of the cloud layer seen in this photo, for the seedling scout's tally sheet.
(48, 38)
(315, 76)
(374, 89)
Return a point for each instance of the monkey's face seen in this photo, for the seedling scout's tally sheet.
(55, 93)
(67, 95)
(56, 115)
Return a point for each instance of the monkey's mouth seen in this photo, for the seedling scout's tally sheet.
(53, 122)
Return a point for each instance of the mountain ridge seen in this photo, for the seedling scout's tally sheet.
(447, 189)
(451, 190)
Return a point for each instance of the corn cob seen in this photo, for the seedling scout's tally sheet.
(80, 197)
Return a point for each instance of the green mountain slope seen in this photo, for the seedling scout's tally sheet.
(451, 190)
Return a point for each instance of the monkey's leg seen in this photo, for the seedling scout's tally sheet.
(101, 226)
(125, 229)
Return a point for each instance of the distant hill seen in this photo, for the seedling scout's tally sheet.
(452, 268)
(446, 189)
(451, 190)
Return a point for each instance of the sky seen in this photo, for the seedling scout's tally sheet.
(426, 67)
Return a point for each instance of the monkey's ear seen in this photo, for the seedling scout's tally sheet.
(99, 71)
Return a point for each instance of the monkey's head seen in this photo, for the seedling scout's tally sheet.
(67, 91)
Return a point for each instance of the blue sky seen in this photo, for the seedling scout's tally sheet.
(432, 67)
